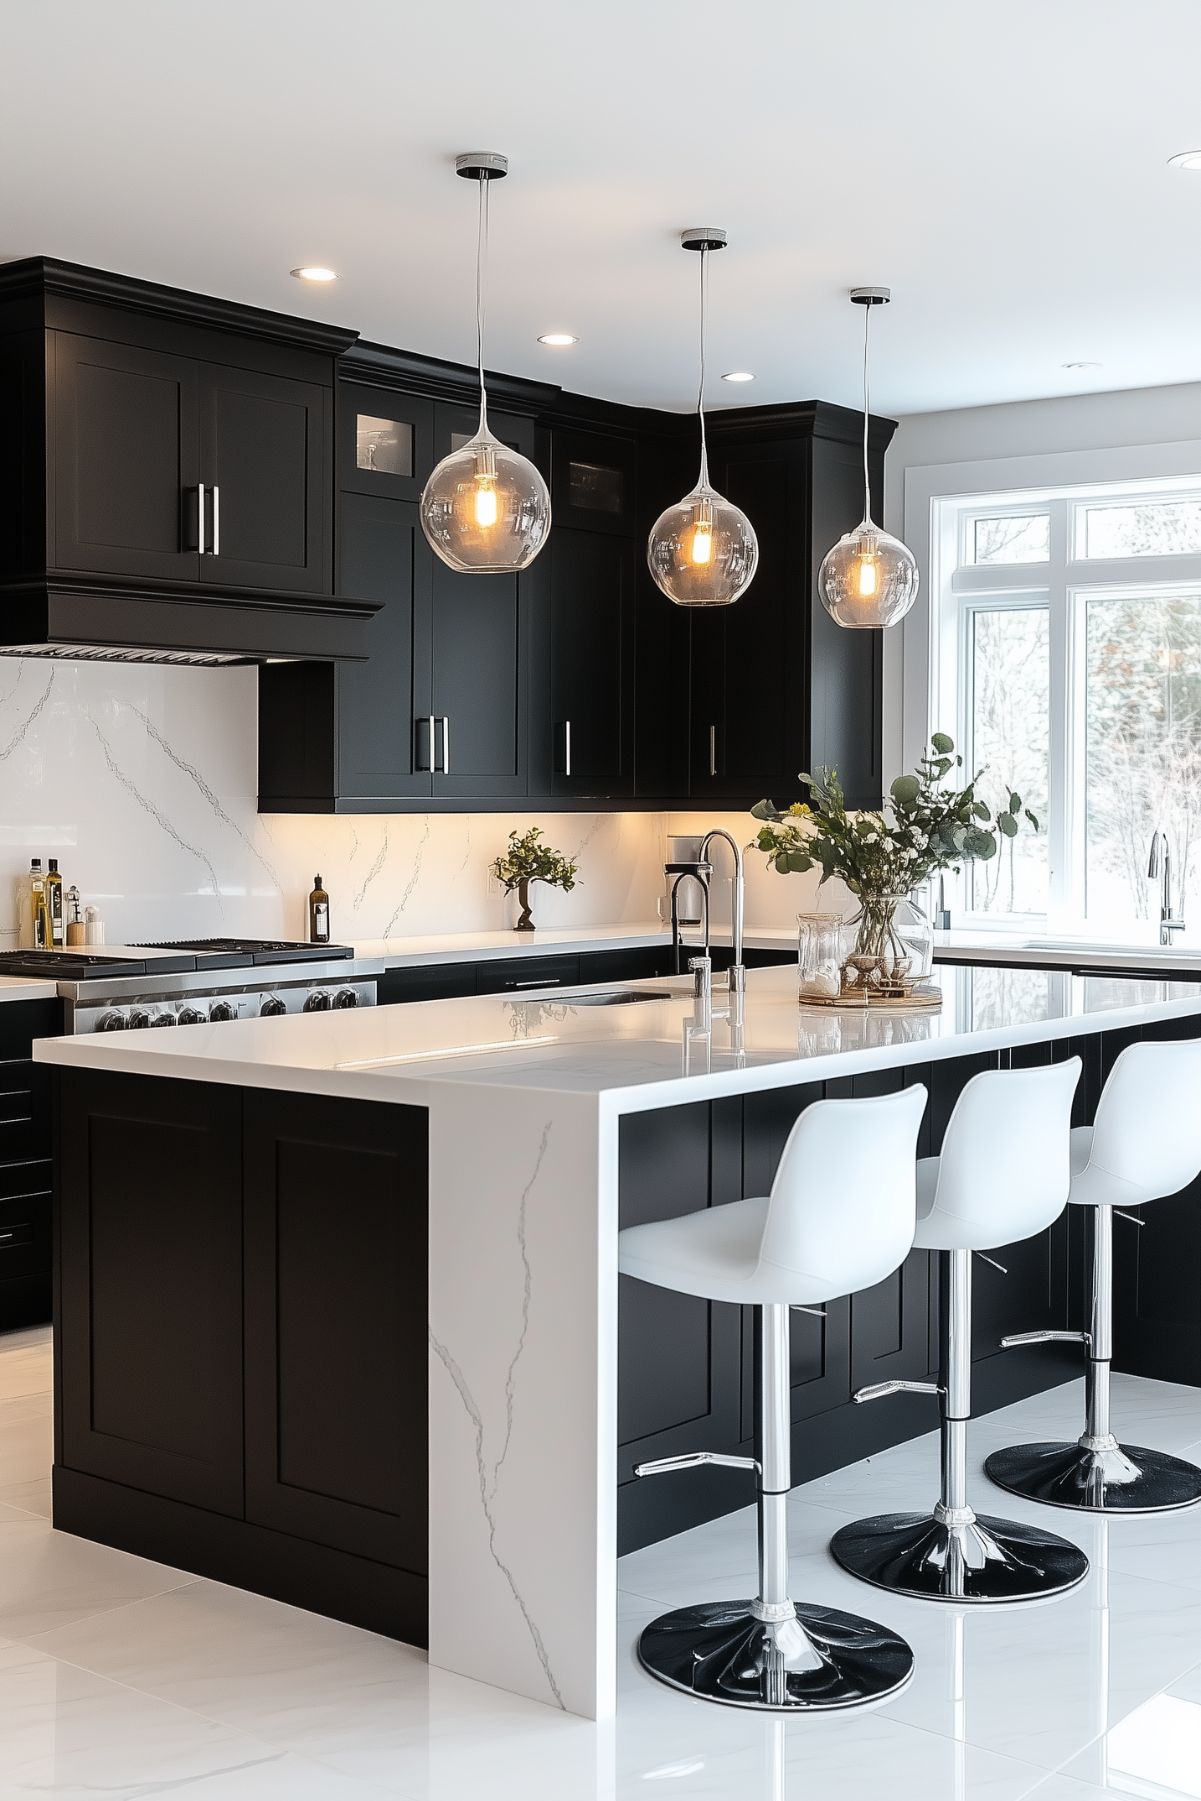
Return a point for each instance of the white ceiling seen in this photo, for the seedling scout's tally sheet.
(999, 163)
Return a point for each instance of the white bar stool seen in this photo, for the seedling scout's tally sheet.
(1003, 1175)
(1144, 1144)
(840, 1217)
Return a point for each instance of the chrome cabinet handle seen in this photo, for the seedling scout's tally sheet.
(429, 755)
(712, 750)
(200, 517)
(445, 745)
(567, 747)
(216, 521)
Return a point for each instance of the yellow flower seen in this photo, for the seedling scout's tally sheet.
(799, 808)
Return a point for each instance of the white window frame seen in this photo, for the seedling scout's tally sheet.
(940, 504)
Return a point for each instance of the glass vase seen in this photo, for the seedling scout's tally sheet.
(892, 947)
(820, 951)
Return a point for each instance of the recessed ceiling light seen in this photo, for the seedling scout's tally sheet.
(1186, 159)
(1080, 365)
(738, 375)
(314, 272)
(558, 340)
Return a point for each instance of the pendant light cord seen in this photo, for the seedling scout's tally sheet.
(700, 392)
(867, 486)
(481, 253)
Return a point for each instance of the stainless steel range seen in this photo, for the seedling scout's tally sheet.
(131, 987)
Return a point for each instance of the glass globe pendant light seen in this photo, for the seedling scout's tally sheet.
(869, 578)
(485, 508)
(702, 551)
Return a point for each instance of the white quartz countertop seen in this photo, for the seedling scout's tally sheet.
(1064, 953)
(561, 941)
(645, 1055)
(26, 988)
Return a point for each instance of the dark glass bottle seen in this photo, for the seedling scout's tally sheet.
(318, 913)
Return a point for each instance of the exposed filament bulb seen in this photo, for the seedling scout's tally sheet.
(485, 502)
(869, 577)
(701, 548)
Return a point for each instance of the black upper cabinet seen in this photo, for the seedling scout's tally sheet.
(125, 444)
(471, 663)
(385, 442)
(583, 711)
(776, 686)
(141, 437)
(166, 473)
(593, 485)
(263, 451)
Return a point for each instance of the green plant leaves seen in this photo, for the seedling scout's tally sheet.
(941, 743)
(905, 790)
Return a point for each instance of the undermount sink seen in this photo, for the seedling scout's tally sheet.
(1134, 953)
(618, 997)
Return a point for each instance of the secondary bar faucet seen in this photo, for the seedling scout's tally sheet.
(738, 907)
(1160, 864)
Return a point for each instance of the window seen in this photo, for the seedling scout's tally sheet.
(1070, 663)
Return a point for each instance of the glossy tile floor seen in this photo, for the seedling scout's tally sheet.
(123, 1678)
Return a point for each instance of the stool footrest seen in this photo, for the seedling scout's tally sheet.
(692, 1460)
(876, 1391)
(1021, 1338)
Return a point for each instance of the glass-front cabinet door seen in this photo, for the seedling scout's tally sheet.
(592, 484)
(385, 441)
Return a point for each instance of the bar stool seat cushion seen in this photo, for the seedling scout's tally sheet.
(716, 1253)
(1094, 1187)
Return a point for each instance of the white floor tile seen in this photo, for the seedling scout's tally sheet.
(48, 1578)
(138, 1680)
(68, 1733)
(28, 1497)
(26, 1365)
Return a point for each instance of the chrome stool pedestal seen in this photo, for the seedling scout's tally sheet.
(953, 1553)
(770, 1652)
(1095, 1474)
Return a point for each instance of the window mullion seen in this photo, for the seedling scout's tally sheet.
(1062, 860)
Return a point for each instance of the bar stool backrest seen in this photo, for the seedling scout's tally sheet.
(843, 1204)
(1147, 1131)
(1004, 1169)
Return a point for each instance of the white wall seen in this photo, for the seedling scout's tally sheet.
(1083, 422)
(141, 781)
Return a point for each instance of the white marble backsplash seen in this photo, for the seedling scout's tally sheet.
(141, 781)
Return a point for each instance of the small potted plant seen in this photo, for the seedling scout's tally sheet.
(882, 857)
(529, 860)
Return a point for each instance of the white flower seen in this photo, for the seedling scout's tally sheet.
(871, 837)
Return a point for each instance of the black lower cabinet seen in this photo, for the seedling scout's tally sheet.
(241, 1339)
(25, 1166)
(150, 1241)
(335, 1324)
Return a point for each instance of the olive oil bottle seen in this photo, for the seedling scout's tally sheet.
(56, 915)
(318, 913)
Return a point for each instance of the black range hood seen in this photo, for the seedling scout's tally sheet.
(68, 617)
(166, 476)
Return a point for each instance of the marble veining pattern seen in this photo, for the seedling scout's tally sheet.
(141, 781)
(180, 1686)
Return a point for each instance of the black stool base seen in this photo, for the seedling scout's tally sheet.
(985, 1561)
(1122, 1479)
(822, 1659)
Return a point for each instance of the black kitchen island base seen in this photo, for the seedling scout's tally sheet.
(241, 1332)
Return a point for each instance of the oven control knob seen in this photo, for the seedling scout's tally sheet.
(138, 1018)
(191, 1016)
(346, 997)
(272, 1007)
(111, 1022)
(223, 1010)
(318, 1001)
(163, 1019)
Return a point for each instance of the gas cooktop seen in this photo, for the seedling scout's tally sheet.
(236, 953)
(100, 964)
